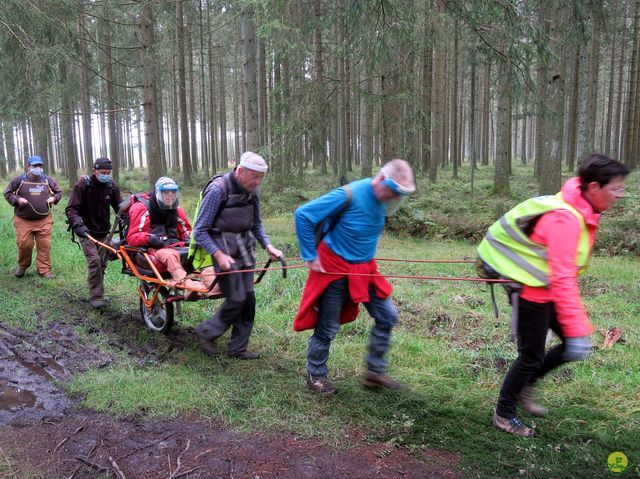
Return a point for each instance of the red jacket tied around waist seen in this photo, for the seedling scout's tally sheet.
(359, 286)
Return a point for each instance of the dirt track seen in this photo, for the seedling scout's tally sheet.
(45, 434)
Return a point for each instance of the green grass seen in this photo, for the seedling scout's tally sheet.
(447, 347)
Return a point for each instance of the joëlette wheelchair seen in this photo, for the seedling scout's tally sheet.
(158, 293)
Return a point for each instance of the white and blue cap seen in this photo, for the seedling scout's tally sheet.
(397, 188)
(165, 183)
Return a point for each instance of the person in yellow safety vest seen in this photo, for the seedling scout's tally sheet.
(545, 243)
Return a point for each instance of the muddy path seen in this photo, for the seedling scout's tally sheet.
(45, 434)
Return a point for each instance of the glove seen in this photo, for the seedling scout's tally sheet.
(155, 242)
(577, 349)
(81, 231)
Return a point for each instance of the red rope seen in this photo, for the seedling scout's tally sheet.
(397, 276)
(427, 260)
(466, 261)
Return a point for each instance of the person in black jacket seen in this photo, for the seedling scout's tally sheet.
(88, 214)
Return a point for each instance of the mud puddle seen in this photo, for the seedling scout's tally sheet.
(32, 365)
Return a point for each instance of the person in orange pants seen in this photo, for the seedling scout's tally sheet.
(32, 194)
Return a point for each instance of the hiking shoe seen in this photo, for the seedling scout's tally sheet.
(47, 275)
(209, 347)
(97, 303)
(513, 426)
(529, 404)
(381, 380)
(244, 355)
(320, 385)
(20, 272)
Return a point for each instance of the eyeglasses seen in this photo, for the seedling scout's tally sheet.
(397, 188)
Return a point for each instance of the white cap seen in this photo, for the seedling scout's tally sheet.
(253, 161)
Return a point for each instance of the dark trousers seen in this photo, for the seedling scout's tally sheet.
(96, 265)
(238, 312)
(532, 363)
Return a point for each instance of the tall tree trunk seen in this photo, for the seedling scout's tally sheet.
(164, 145)
(572, 143)
(454, 105)
(224, 154)
(212, 103)
(553, 114)
(486, 104)
(114, 140)
(11, 148)
(85, 104)
(261, 85)
(609, 116)
(237, 86)
(592, 86)
(319, 128)
(151, 133)
(617, 124)
(67, 124)
(193, 115)
(503, 139)
(250, 86)
(427, 85)
(3, 159)
(41, 139)
(203, 105)
(173, 121)
(437, 126)
(182, 96)
(632, 106)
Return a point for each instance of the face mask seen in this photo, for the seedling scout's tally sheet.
(35, 170)
(394, 205)
(163, 203)
(103, 178)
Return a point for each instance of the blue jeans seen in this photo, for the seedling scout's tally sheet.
(383, 311)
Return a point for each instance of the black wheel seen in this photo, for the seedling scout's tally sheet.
(160, 317)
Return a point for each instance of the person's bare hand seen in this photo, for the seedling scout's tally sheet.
(315, 265)
(224, 260)
(275, 253)
(22, 201)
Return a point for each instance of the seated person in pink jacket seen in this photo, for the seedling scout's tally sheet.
(160, 225)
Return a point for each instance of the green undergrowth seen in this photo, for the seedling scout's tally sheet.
(448, 348)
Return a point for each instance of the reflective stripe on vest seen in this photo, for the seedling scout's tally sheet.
(508, 249)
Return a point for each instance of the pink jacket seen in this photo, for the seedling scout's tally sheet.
(560, 231)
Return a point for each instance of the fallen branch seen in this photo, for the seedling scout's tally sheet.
(116, 468)
(80, 465)
(179, 462)
(611, 337)
(176, 476)
(60, 444)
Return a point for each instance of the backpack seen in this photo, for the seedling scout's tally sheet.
(322, 228)
(123, 218)
(198, 256)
